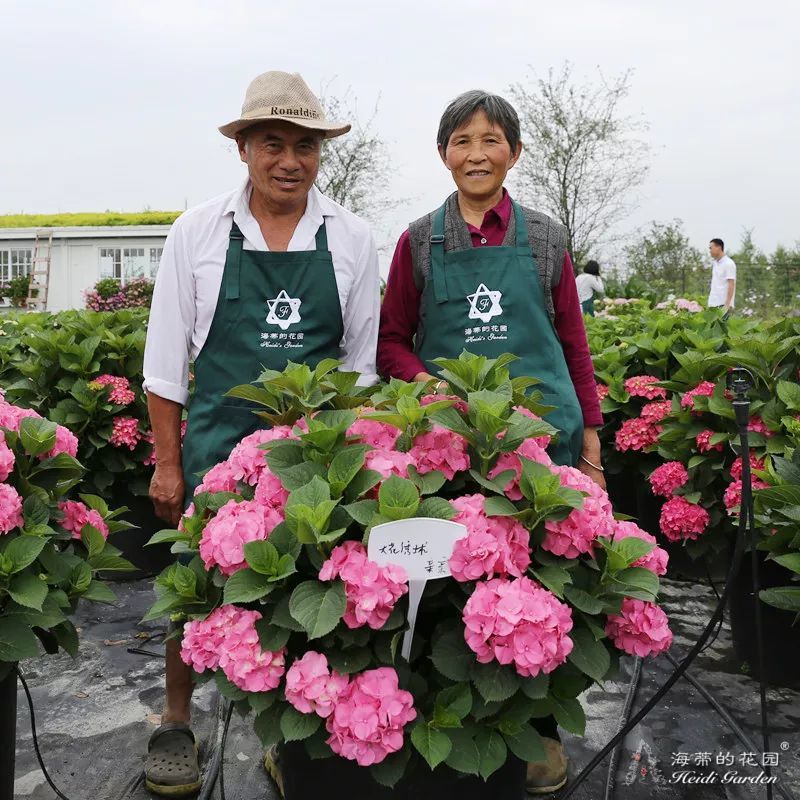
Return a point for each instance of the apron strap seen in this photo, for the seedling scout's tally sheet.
(233, 263)
(521, 226)
(437, 256)
(321, 238)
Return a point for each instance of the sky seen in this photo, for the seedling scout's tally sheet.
(116, 104)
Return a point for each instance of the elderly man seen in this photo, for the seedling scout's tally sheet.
(271, 272)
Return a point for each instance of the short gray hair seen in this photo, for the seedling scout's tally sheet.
(465, 106)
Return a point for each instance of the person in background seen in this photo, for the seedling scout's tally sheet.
(589, 283)
(270, 272)
(488, 275)
(723, 277)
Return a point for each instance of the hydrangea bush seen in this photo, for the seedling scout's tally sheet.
(52, 543)
(285, 611)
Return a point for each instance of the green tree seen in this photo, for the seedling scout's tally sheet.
(663, 259)
(584, 158)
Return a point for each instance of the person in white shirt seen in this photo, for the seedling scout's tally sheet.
(588, 284)
(723, 277)
(271, 272)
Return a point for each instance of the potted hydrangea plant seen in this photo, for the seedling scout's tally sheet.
(284, 608)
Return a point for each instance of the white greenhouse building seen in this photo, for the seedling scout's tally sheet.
(66, 261)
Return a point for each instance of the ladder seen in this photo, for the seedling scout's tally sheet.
(40, 270)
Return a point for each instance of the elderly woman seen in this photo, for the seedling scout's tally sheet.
(486, 274)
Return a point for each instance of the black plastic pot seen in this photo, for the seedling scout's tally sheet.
(683, 567)
(781, 638)
(621, 488)
(8, 729)
(148, 561)
(339, 779)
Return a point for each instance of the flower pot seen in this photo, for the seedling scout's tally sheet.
(147, 560)
(621, 488)
(781, 638)
(8, 728)
(683, 567)
(339, 779)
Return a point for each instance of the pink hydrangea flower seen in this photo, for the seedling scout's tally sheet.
(518, 622)
(664, 480)
(756, 464)
(374, 433)
(458, 403)
(656, 411)
(371, 590)
(11, 416)
(656, 560)
(733, 494)
(681, 519)
(389, 462)
(203, 639)
(492, 546)
(7, 459)
(704, 389)
(125, 432)
(703, 441)
(219, 478)
(757, 425)
(270, 492)
(77, 515)
(641, 628)
(10, 509)
(602, 391)
(636, 434)
(236, 523)
(577, 533)
(66, 442)
(643, 386)
(120, 393)
(440, 449)
(243, 661)
(368, 719)
(311, 687)
(530, 449)
(248, 459)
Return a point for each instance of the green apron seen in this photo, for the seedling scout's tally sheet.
(489, 300)
(272, 308)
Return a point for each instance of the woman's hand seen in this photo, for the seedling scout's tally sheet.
(590, 457)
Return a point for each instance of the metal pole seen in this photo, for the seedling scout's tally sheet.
(8, 730)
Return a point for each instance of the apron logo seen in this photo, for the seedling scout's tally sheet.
(283, 310)
(484, 304)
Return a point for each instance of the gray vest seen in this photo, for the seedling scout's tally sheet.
(548, 240)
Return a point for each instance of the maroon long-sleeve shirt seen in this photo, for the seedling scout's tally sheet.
(400, 315)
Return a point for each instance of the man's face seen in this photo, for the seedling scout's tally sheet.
(282, 160)
(715, 250)
(478, 156)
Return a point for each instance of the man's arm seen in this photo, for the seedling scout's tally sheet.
(731, 282)
(167, 487)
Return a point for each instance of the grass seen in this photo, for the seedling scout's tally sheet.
(87, 219)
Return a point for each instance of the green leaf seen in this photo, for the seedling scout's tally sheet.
(362, 511)
(526, 744)
(436, 508)
(433, 745)
(93, 540)
(318, 607)
(37, 436)
(262, 556)
(451, 656)
(245, 586)
(638, 582)
(362, 483)
(554, 578)
(499, 507)
(569, 714)
(282, 618)
(536, 688)
(497, 485)
(271, 637)
(23, 550)
(789, 393)
(492, 750)
(464, 757)
(398, 498)
(35, 511)
(99, 593)
(391, 769)
(495, 681)
(267, 726)
(296, 727)
(28, 590)
(67, 637)
(17, 640)
(168, 535)
(347, 662)
(455, 701)
(583, 601)
(790, 561)
(345, 465)
(784, 597)
(589, 655)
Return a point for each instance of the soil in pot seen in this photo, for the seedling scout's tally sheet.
(339, 779)
(781, 638)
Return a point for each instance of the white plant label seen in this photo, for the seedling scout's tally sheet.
(422, 546)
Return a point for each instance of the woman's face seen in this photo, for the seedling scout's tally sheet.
(479, 156)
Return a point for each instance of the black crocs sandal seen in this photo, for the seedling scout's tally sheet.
(171, 768)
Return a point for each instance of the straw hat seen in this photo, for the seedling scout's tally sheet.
(284, 96)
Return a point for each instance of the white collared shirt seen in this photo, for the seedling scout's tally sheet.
(190, 274)
(722, 271)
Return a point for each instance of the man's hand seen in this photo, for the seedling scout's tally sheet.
(591, 452)
(167, 489)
